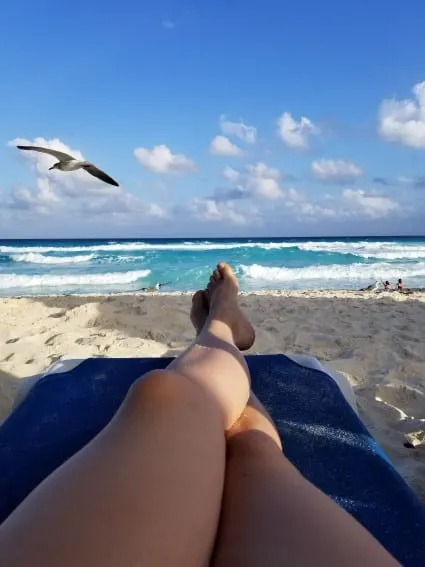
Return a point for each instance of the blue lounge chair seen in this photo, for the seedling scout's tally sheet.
(321, 433)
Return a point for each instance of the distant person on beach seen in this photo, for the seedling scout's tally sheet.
(190, 471)
(400, 285)
(387, 286)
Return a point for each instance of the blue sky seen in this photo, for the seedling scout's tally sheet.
(294, 91)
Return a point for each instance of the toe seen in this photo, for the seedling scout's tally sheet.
(216, 275)
(225, 270)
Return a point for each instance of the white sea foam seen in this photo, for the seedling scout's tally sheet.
(119, 259)
(9, 281)
(342, 272)
(365, 249)
(135, 246)
(35, 258)
(385, 250)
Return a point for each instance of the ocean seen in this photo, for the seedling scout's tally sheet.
(46, 267)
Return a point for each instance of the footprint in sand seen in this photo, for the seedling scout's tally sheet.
(50, 341)
(58, 315)
(11, 341)
(271, 329)
(90, 340)
(411, 401)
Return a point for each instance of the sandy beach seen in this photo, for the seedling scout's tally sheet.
(378, 341)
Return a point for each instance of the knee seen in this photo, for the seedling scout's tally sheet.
(154, 383)
(166, 393)
(161, 388)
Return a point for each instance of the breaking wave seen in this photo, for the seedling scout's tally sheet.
(8, 281)
(347, 272)
(35, 258)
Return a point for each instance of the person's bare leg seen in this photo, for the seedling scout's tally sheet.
(225, 332)
(147, 490)
(271, 515)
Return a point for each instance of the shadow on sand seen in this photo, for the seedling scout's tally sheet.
(9, 385)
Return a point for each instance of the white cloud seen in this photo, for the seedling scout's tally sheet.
(72, 182)
(51, 187)
(263, 181)
(125, 204)
(42, 200)
(349, 204)
(251, 193)
(231, 174)
(371, 205)
(154, 210)
(336, 171)
(295, 134)
(256, 181)
(315, 211)
(160, 159)
(222, 146)
(69, 193)
(295, 196)
(246, 133)
(403, 121)
(210, 210)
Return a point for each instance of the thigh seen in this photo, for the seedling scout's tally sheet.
(271, 515)
(146, 491)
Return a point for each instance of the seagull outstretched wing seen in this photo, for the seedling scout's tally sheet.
(96, 172)
(61, 156)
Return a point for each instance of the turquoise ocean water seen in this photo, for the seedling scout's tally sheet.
(44, 267)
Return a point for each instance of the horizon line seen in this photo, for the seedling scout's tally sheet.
(123, 238)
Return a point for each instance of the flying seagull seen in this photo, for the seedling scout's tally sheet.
(68, 163)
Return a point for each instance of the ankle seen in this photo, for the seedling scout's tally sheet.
(216, 331)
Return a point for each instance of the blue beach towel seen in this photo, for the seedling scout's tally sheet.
(321, 433)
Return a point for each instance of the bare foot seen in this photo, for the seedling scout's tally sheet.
(199, 311)
(222, 297)
(224, 300)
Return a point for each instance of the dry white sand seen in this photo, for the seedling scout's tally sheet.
(378, 341)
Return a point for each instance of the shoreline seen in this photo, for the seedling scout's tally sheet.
(415, 293)
(376, 339)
